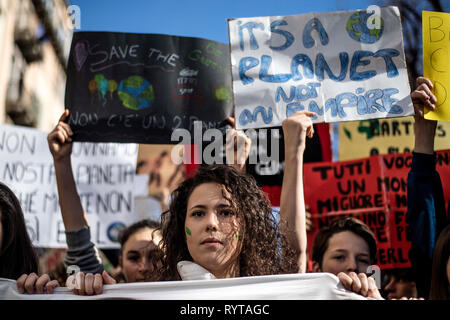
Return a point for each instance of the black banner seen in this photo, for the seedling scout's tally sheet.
(126, 87)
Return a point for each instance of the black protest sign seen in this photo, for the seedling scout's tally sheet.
(126, 87)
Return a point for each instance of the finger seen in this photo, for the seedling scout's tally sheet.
(80, 283)
(64, 115)
(427, 89)
(60, 137)
(310, 131)
(98, 283)
(429, 105)
(419, 96)
(373, 289)
(423, 80)
(356, 284)
(345, 280)
(66, 128)
(231, 121)
(20, 283)
(50, 286)
(364, 284)
(29, 283)
(40, 283)
(63, 130)
(89, 284)
(298, 113)
(107, 279)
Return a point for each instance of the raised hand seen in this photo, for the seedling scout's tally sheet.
(237, 146)
(59, 139)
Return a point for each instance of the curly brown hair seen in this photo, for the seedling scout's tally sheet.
(260, 241)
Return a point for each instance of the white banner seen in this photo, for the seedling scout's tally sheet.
(343, 66)
(308, 286)
(104, 174)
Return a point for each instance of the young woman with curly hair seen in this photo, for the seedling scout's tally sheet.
(221, 220)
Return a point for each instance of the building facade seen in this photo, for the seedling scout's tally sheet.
(35, 37)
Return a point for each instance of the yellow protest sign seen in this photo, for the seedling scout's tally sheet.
(436, 60)
(360, 139)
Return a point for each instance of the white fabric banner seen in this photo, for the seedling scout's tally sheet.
(342, 66)
(104, 174)
(309, 286)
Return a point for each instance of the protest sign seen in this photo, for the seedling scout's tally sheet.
(163, 174)
(373, 190)
(341, 65)
(436, 57)
(124, 87)
(104, 175)
(364, 138)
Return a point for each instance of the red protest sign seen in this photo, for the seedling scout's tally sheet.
(373, 190)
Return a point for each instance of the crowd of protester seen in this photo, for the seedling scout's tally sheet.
(220, 224)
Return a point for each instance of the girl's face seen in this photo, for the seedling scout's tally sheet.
(212, 230)
(346, 252)
(136, 255)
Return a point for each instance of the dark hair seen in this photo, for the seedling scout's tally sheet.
(340, 225)
(17, 255)
(127, 232)
(261, 239)
(401, 274)
(439, 281)
(155, 254)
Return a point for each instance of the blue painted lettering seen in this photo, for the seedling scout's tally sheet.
(246, 64)
(305, 62)
(356, 62)
(314, 24)
(322, 65)
(265, 65)
(249, 26)
(247, 116)
(289, 38)
(387, 55)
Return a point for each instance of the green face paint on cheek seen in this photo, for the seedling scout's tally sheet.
(187, 231)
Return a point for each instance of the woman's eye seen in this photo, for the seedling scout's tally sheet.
(340, 258)
(133, 258)
(197, 213)
(364, 261)
(226, 212)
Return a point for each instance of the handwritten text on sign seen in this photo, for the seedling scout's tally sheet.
(436, 57)
(340, 65)
(373, 190)
(104, 175)
(127, 87)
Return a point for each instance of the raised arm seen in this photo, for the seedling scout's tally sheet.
(80, 250)
(60, 144)
(237, 146)
(426, 205)
(292, 207)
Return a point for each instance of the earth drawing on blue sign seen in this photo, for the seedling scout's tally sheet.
(358, 30)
